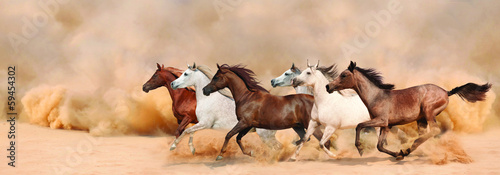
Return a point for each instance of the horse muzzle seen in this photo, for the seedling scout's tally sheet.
(330, 88)
(274, 84)
(296, 82)
(173, 85)
(207, 91)
(145, 88)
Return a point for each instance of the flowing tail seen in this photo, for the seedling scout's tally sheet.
(471, 92)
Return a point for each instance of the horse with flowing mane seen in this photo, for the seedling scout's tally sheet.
(389, 107)
(216, 111)
(334, 111)
(255, 107)
(183, 100)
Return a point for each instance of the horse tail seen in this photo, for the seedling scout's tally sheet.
(471, 92)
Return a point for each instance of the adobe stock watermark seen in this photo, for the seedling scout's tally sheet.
(76, 156)
(372, 28)
(222, 7)
(31, 26)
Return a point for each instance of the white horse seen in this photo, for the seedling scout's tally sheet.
(216, 111)
(335, 111)
(285, 80)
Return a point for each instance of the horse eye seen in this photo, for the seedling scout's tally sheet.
(185, 74)
(342, 76)
(308, 73)
(286, 74)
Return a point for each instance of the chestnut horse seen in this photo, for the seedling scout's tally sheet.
(183, 100)
(388, 107)
(255, 107)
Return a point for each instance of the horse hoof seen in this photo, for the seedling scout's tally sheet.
(360, 152)
(172, 147)
(251, 153)
(218, 158)
(400, 157)
(192, 150)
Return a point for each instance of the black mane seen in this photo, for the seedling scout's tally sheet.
(247, 75)
(375, 78)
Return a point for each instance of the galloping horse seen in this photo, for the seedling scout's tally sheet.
(335, 111)
(183, 100)
(255, 107)
(216, 111)
(390, 107)
(286, 80)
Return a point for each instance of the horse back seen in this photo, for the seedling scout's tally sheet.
(408, 103)
(281, 112)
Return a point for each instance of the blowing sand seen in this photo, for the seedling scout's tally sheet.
(42, 150)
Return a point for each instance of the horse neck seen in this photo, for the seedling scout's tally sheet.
(319, 90)
(238, 88)
(303, 90)
(168, 79)
(367, 91)
(201, 81)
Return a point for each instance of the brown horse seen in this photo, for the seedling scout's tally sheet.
(255, 107)
(183, 100)
(388, 107)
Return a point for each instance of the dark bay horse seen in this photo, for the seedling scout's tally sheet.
(388, 107)
(183, 100)
(255, 107)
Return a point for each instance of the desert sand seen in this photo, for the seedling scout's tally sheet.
(41, 150)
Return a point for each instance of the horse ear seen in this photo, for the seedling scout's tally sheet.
(293, 66)
(158, 66)
(352, 66)
(317, 64)
(218, 67)
(162, 66)
(308, 63)
(194, 65)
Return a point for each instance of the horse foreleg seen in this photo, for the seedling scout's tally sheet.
(318, 134)
(238, 140)
(313, 125)
(238, 128)
(376, 122)
(329, 130)
(190, 130)
(182, 126)
(301, 132)
(382, 140)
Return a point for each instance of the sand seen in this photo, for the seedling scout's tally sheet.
(41, 150)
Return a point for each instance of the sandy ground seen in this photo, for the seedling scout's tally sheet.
(43, 150)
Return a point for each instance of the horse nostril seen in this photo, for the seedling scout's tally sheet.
(327, 87)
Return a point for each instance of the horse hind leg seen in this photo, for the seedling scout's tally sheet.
(430, 117)
(422, 126)
(238, 140)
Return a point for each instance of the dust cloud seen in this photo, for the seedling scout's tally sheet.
(84, 65)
